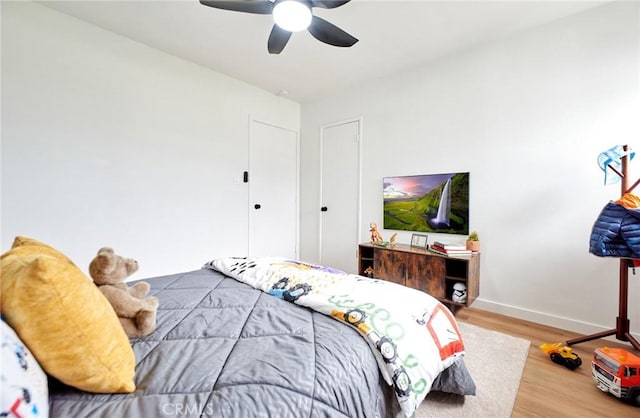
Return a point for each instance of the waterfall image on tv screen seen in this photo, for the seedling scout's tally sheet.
(427, 203)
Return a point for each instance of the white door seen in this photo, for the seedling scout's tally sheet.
(340, 195)
(273, 191)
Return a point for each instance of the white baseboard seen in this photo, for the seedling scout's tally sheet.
(546, 319)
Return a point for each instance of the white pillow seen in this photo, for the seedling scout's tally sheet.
(24, 384)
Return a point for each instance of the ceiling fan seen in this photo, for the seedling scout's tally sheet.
(282, 29)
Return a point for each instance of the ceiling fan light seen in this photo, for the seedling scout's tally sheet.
(292, 15)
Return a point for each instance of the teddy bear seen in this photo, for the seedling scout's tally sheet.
(136, 312)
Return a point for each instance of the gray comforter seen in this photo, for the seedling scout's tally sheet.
(224, 349)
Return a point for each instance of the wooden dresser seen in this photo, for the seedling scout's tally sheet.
(422, 269)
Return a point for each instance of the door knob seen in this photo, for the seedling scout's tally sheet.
(323, 209)
(257, 206)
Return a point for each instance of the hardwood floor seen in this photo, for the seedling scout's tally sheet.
(548, 389)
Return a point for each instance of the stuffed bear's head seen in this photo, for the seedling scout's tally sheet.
(109, 268)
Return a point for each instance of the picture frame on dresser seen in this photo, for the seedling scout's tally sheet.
(419, 241)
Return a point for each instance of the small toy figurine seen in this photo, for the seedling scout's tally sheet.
(459, 293)
(561, 354)
(375, 234)
(392, 240)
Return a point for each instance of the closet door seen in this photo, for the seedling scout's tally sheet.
(340, 195)
(273, 191)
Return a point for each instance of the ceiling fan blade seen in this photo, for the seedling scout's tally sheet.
(260, 7)
(329, 33)
(278, 39)
(329, 4)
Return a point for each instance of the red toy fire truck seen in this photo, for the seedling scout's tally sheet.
(617, 371)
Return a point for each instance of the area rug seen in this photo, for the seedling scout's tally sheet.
(496, 362)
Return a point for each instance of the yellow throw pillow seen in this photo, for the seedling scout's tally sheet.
(66, 322)
(20, 241)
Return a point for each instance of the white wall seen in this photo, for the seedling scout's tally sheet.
(107, 142)
(527, 117)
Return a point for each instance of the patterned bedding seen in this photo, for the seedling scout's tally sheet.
(224, 349)
(411, 334)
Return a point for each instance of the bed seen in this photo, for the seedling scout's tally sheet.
(224, 348)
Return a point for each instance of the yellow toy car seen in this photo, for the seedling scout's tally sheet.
(561, 354)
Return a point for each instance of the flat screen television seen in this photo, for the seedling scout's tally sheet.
(436, 203)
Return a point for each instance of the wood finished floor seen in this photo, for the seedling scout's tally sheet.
(548, 389)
